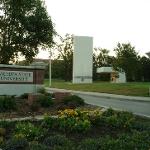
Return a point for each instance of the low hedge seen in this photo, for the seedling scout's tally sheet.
(73, 101)
(7, 103)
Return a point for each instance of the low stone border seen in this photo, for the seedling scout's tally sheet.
(41, 117)
(25, 118)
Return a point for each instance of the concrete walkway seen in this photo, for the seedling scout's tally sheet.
(102, 95)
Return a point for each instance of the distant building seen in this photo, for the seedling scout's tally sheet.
(115, 76)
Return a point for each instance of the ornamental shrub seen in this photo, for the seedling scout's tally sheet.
(115, 119)
(49, 122)
(95, 116)
(73, 101)
(6, 124)
(29, 131)
(109, 112)
(42, 90)
(73, 121)
(37, 146)
(133, 141)
(57, 140)
(2, 131)
(45, 101)
(35, 106)
(16, 144)
(1, 141)
(24, 96)
(89, 144)
(7, 103)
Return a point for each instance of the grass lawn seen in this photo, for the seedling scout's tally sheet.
(132, 89)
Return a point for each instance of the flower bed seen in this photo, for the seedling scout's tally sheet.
(36, 104)
(76, 129)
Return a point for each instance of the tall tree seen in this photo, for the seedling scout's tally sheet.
(126, 60)
(101, 58)
(65, 49)
(145, 68)
(24, 27)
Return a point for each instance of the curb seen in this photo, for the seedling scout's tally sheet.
(41, 117)
(103, 95)
(33, 118)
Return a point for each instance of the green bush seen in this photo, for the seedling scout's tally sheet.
(109, 112)
(7, 103)
(49, 94)
(45, 101)
(29, 131)
(66, 147)
(141, 125)
(35, 106)
(50, 122)
(89, 144)
(24, 96)
(1, 141)
(136, 140)
(37, 146)
(73, 101)
(125, 120)
(2, 131)
(133, 141)
(16, 144)
(71, 120)
(42, 90)
(115, 119)
(6, 124)
(57, 141)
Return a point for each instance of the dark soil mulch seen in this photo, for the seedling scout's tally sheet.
(23, 109)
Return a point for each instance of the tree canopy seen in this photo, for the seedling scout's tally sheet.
(65, 50)
(24, 27)
(127, 59)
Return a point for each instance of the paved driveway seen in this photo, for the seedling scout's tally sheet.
(137, 107)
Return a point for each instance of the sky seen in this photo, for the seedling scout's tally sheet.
(107, 21)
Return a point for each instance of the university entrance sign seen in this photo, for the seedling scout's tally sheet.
(17, 80)
(15, 76)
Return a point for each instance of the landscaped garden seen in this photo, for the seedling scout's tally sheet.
(131, 88)
(37, 104)
(69, 124)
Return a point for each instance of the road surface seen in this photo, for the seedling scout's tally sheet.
(136, 107)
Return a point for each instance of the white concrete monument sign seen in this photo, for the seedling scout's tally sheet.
(82, 59)
(16, 80)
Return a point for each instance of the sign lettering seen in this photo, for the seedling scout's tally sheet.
(15, 76)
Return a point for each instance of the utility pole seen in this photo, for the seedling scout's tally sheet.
(148, 54)
(50, 69)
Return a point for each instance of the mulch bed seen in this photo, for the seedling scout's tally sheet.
(24, 110)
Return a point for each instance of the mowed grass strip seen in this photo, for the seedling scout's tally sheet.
(131, 89)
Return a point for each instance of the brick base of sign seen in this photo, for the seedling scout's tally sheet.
(32, 97)
(59, 96)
